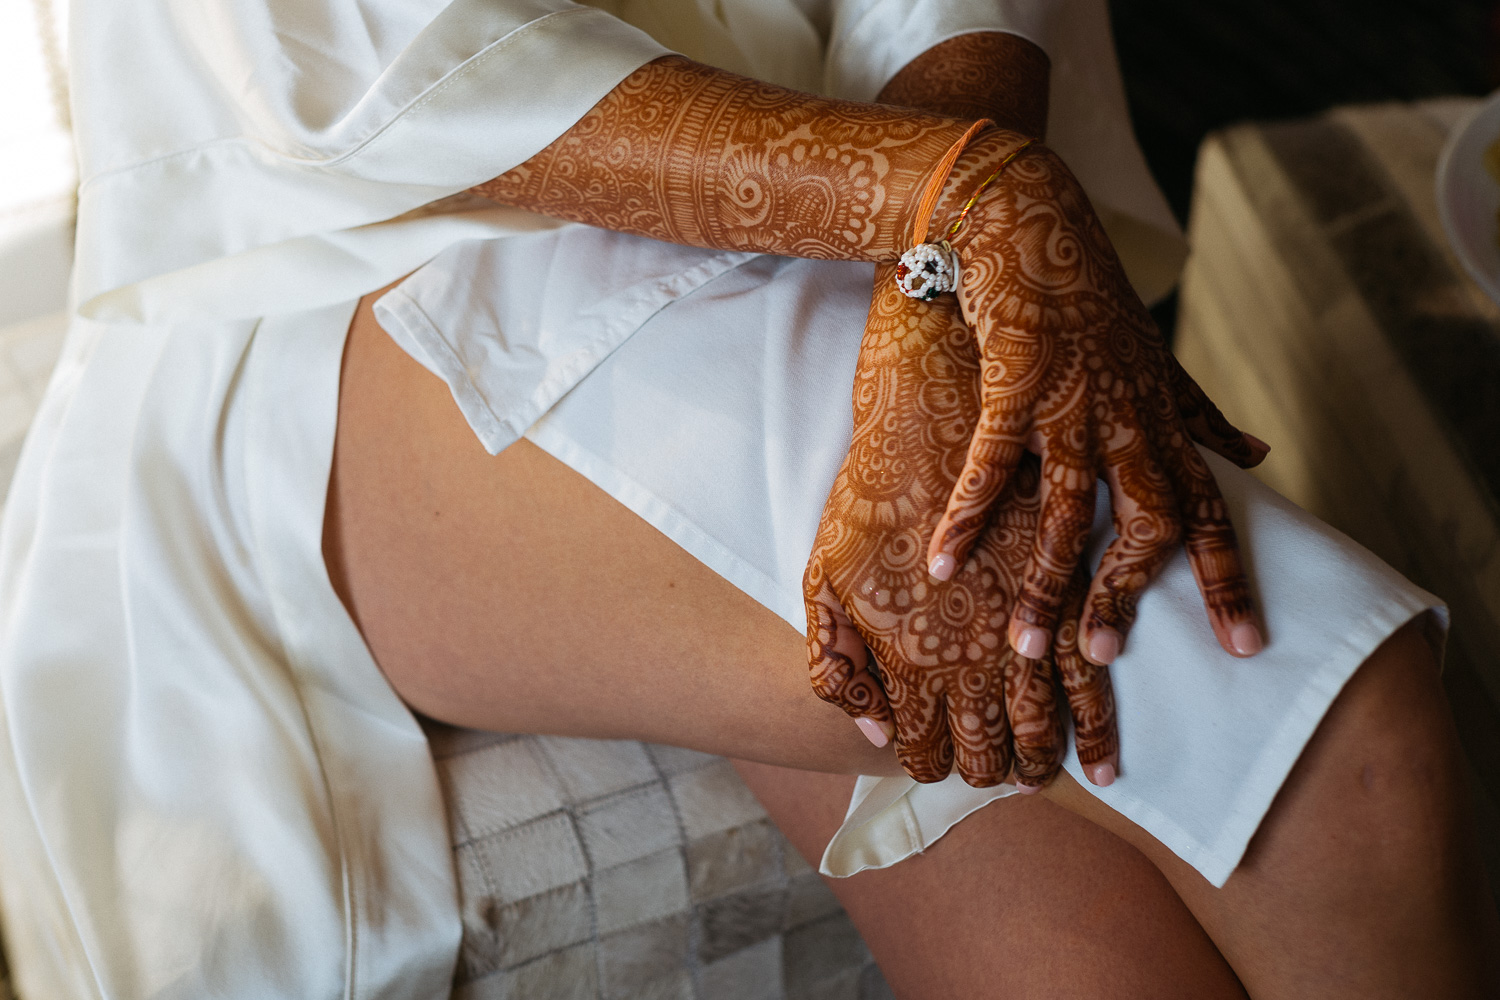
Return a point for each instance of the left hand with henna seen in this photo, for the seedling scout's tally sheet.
(1075, 370)
(1068, 323)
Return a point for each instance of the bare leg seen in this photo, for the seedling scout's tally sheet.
(1022, 899)
(508, 593)
(1364, 879)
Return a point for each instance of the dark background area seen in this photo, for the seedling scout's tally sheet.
(1192, 66)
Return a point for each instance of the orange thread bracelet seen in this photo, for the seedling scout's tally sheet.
(934, 190)
(928, 270)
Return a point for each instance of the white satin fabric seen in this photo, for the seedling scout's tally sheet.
(212, 792)
(298, 153)
(208, 788)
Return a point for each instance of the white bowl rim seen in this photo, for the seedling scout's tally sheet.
(1466, 146)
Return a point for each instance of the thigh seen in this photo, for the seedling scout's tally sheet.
(509, 593)
(1364, 878)
(1021, 899)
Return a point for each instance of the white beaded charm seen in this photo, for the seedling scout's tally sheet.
(927, 270)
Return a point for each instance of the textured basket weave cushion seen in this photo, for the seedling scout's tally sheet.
(616, 869)
(591, 869)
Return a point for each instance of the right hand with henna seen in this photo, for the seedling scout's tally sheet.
(947, 685)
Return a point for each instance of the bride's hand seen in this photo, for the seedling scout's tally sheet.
(947, 683)
(1074, 370)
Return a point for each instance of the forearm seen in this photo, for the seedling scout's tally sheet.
(987, 74)
(694, 155)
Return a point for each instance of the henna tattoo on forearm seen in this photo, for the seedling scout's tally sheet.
(694, 155)
(984, 74)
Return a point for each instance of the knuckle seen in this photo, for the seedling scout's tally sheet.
(961, 530)
(985, 774)
(1157, 520)
(1033, 742)
(828, 693)
(1172, 531)
(1150, 537)
(975, 481)
(928, 761)
(864, 693)
(830, 674)
(1113, 607)
(1211, 530)
(1035, 772)
(1065, 640)
(1037, 604)
(1080, 677)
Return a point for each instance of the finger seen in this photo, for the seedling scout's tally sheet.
(1148, 528)
(924, 742)
(1208, 425)
(1031, 703)
(839, 662)
(979, 725)
(1214, 553)
(1091, 696)
(994, 450)
(1067, 514)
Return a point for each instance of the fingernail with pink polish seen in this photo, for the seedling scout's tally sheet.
(872, 731)
(1104, 646)
(1102, 774)
(1256, 443)
(1246, 640)
(942, 566)
(1032, 642)
(1026, 789)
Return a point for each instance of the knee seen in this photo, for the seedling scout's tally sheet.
(1394, 721)
(1392, 770)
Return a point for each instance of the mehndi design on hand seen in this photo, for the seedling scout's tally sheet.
(916, 404)
(1075, 370)
(693, 155)
(956, 692)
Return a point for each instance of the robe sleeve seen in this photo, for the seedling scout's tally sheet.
(1088, 119)
(244, 157)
